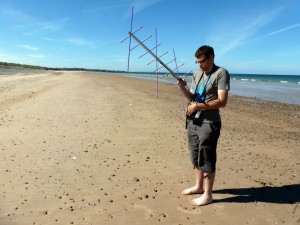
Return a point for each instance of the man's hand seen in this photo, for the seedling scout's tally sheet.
(184, 89)
(182, 83)
(191, 108)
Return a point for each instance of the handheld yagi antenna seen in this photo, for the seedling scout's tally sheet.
(149, 51)
(155, 56)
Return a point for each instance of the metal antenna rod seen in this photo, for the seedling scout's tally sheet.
(142, 41)
(156, 64)
(148, 52)
(130, 40)
(157, 57)
(133, 33)
(180, 92)
(151, 53)
(174, 69)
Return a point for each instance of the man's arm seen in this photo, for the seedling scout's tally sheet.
(185, 90)
(214, 104)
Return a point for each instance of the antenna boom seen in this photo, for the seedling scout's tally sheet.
(154, 56)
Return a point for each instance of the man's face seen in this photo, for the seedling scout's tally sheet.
(205, 63)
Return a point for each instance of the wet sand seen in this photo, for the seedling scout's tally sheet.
(84, 148)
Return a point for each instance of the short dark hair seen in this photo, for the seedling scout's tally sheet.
(204, 50)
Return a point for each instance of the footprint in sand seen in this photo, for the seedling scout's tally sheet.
(148, 213)
(218, 207)
(191, 211)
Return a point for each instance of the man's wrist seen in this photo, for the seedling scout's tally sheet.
(201, 107)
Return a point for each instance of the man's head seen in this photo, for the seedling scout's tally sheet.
(205, 58)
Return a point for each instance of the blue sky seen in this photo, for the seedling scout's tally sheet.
(248, 36)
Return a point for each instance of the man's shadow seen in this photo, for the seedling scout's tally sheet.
(288, 194)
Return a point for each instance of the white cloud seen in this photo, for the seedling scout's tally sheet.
(37, 27)
(140, 5)
(104, 7)
(15, 15)
(284, 29)
(79, 41)
(230, 37)
(272, 33)
(29, 47)
(10, 58)
(36, 56)
(31, 25)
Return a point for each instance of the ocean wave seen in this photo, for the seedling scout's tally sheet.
(284, 81)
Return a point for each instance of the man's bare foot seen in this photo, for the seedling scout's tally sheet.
(192, 190)
(203, 200)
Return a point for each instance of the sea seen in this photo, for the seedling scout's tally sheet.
(277, 88)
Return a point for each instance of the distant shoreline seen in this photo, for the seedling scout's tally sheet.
(12, 68)
(17, 66)
(277, 88)
(9, 70)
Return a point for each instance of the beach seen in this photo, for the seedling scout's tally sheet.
(96, 148)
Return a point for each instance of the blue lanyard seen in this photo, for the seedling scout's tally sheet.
(200, 95)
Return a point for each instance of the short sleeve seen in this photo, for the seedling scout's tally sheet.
(223, 80)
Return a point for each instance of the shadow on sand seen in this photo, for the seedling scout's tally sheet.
(288, 194)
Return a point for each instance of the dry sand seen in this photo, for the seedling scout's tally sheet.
(84, 148)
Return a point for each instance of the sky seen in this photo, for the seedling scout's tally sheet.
(249, 37)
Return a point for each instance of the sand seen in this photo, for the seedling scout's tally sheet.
(86, 148)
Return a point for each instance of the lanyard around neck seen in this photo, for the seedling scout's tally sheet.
(203, 81)
(207, 79)
(198, 81)
(202, 76)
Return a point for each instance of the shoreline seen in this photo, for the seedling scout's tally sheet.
(264, 91)
(85, 148)
(237, 89)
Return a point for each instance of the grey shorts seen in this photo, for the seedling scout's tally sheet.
(203, 139)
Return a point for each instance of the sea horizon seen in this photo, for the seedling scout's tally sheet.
(278, 88)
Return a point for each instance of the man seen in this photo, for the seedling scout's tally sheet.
(208, 93)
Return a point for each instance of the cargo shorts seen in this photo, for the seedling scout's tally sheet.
(202, 139)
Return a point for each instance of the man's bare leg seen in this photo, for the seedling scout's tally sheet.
(198, 188)
(206, 198)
